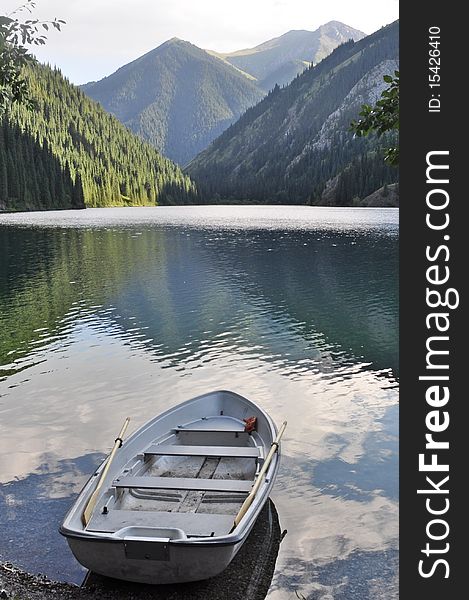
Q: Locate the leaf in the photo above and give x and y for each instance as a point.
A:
(383, 117)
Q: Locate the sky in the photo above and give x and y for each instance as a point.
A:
(102, 35)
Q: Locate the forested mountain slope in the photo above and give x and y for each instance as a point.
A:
(178, 97)
(70, 152)
(295, 145)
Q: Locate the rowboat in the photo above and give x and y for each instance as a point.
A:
(176, 500)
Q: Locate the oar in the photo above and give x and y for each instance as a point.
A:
(257, 484)
(95, 495)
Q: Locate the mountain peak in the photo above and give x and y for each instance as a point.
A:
(341, 29)
(177, 97)
(333, 23)
(280, 59)
(174, 41)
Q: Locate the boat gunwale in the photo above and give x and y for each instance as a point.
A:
(227, 540)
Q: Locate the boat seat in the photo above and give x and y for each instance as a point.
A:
(216, 451)
(190, 429)
(196, 524)
(184, 483)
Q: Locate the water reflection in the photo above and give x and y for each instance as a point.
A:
(32, 510)
(361, 575)
(99, 320)
(181, 294)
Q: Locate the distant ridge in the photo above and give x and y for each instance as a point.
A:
(280, 59)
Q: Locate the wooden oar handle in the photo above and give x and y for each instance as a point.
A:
(120, 437)
(94, 496)
(247, 503)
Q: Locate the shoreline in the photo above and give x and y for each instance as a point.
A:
(248, 577)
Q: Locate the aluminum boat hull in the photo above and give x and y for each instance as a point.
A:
(125, 540)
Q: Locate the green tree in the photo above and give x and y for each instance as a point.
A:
(382, 117)
(16, 36)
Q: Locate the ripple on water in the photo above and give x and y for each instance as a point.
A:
(105, 313)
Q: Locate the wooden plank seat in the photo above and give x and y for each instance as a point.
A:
(197, 524)
(184, 483)
(209, 429)
(215, 451)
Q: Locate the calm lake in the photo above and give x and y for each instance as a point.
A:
(106, 313)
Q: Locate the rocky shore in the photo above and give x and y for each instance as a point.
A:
(247, 578)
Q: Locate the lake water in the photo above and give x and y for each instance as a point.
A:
(110, 312)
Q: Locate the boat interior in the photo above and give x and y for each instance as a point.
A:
(190, 482)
